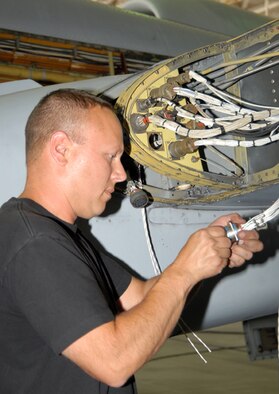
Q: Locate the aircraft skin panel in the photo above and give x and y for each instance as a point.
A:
(17, 86)
(235, 295)
(170, 226)
(88, 22)
(207, 14)
(227, 302)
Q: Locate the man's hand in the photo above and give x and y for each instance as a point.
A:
(205, 254)
(247, 245)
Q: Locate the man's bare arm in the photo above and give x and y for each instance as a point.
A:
(114, 351)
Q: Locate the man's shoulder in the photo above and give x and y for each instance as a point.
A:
(23, 221)
(25, 217)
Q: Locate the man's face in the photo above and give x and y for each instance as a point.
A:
(95, 165)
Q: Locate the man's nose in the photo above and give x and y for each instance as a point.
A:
(120, 173)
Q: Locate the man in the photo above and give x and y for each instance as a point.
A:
(73, 321)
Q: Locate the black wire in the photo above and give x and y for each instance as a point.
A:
(255, 134)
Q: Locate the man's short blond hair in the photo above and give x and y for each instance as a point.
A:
(64, 110)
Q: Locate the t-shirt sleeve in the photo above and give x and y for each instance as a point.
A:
(120, 276)
(58, 293)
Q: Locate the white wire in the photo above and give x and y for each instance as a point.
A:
(184, 131)
(227, 107)
(155, 264)
(196, 349)
(196, 95)
(235, 143)
(260, 220)
(225, 96)
(241, 119)
(204, 134)
(157, 270)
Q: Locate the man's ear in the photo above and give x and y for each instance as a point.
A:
(60, 145)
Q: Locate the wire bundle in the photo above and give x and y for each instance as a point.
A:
(259, 221)
(231, 118)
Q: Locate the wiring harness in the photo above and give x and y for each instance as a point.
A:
(231, 117)
(208, 121)
(257, 222)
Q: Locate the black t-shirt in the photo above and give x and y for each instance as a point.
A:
(54, 289)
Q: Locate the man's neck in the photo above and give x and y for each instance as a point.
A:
(51, 203)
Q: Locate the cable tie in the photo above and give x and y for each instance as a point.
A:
(260, 222)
